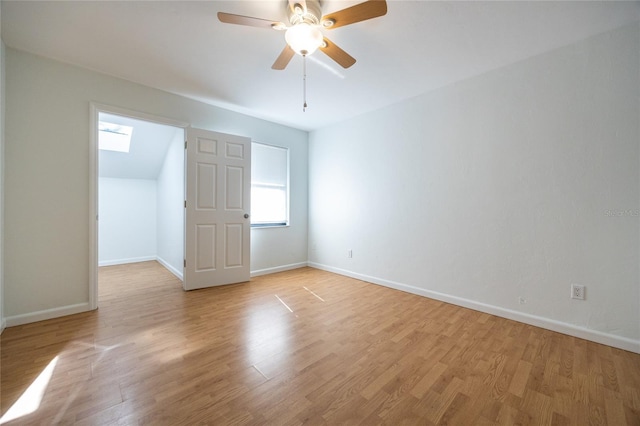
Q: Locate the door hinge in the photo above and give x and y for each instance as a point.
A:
(185, 144)
(185, 263)
(185, 204)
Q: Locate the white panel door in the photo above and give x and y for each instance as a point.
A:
(217, 234)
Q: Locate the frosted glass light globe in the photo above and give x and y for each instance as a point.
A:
(303, 38)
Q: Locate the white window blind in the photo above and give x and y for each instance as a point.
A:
(269, 185)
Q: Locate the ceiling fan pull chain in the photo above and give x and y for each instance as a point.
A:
(304, 83)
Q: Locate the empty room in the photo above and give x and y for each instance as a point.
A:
(361, 212)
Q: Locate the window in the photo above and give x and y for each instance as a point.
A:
(114, 137)
(269, 185)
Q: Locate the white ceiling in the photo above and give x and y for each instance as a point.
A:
(418, 46)
(148, 149)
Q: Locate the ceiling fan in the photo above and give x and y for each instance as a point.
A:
(303, 35)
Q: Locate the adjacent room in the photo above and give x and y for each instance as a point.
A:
(324, 212)
(141, 192)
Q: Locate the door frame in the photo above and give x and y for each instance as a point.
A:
(94, 111)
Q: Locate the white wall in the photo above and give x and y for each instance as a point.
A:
(170, 223)
(514, 184)
(128, 217)
(47, 181)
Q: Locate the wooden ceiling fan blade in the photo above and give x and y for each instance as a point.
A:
(360, 12)
(334, 52)
(284, 58)
(230, 18)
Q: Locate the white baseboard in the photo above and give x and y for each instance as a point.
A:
(171, 269)
(160, 260)
(46, 314)
(546, 323)
(3, 325)
(125, 261)
(282, 268)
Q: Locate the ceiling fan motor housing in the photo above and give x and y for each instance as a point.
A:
(308, 12)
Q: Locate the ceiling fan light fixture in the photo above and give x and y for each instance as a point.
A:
(303, 38)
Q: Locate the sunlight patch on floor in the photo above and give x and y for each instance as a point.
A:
(30, 400)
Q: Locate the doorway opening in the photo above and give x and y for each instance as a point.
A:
(139, 191)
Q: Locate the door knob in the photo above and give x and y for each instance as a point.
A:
(246, 215)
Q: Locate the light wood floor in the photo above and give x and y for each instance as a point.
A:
(348, 353)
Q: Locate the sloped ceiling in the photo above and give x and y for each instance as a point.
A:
(418, 46)
(149, 145)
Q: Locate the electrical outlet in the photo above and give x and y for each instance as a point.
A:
(577, 291)
(349, 253)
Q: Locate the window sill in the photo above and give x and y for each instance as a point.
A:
(270, 225)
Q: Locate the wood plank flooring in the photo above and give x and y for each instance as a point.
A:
(306, 347)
